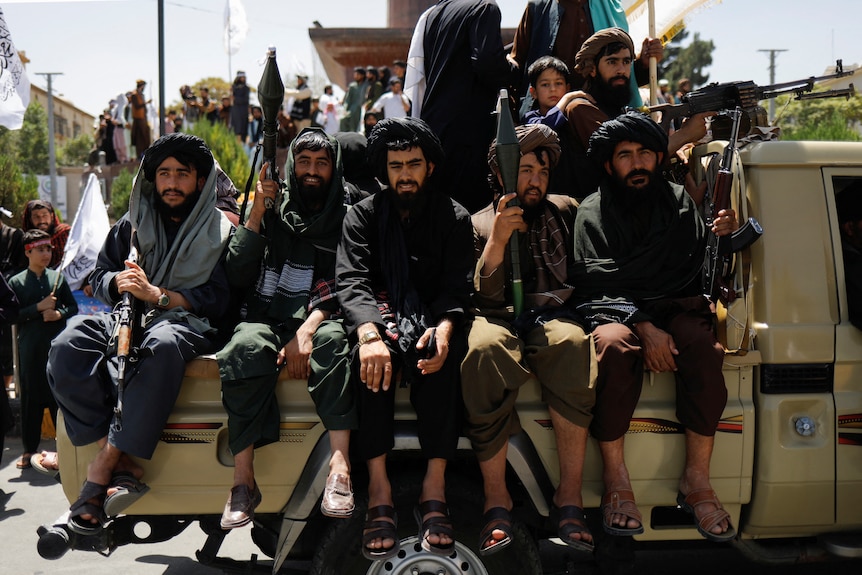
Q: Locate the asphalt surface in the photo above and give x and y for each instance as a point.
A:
(29, 499)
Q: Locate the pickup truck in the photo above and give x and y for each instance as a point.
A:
(787, 463)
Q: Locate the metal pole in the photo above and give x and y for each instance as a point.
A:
(161, 67)
(772, 53)
(52, 156)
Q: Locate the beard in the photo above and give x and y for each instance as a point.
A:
(611, 98)
(181, 211)
(636, 203)
(313, 196)
(410, 202)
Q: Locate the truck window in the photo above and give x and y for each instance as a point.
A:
(848, 201)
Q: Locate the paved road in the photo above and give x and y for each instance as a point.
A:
(29, 499)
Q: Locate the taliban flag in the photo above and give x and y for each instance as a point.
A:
(235, 26)
(88, 233)
(14, 84)
(671, 16)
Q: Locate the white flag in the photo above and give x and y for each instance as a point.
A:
(235, 26)
(671, 17)
(14, 84)
(88, 233)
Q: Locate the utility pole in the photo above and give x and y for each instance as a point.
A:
(772, 53)
(52, 156)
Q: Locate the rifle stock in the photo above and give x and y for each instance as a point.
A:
(125, 322)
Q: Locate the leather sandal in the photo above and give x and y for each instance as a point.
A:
(434, 526)
(496, 519)
(571, 520)
(708, 521)
(84, 505)
(620, 502)
(375, 529)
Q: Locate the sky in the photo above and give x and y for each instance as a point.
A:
(100, 47)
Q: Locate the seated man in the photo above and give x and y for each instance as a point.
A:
(403, 269)
(545, 342)
(639, 248)
(179, 286)
(283, 258)
(849, 204)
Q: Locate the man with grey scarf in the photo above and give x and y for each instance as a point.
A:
(403, 269)
(180, 287)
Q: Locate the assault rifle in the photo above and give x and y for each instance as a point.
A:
(746, 95)
(719, 250)
(125, 330)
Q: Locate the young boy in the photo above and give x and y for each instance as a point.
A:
(46, 302)
(550, 91)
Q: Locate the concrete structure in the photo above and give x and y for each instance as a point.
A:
(342, 49)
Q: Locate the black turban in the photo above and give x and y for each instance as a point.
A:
(186, 149)
(629, 127)
(401, 134)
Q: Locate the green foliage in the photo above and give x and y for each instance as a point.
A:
(686, 62)
(831, 129)
(226, 149)
(32, 141)
(121, 188)
(74, 151)
(15, 189)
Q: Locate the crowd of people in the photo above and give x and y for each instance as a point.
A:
(360, 287)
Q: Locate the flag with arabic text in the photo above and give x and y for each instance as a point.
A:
(88, 233)
(14, 84)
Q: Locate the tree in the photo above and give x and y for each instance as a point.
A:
(831, 119)
(32, 141)
(75, 151)
(121, 189)
(229, 153)
(686, 62)
(15, 189)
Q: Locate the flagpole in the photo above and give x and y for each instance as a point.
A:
(229, 72)
(653, 62)
(52, 157)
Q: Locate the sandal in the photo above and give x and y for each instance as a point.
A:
(705, 524)
(24, 462)
(375, 529)
(434, 526)
(84, 506)
(569, 528)
(128, 489)
(496, 519)
(620, 502)
(46, 462)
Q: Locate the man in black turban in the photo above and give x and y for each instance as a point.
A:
(402, 272)
(639, 247)
(544, 342)
(180, 290)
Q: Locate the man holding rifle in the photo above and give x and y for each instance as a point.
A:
(639, 249)
(545, 341)
(179, 286)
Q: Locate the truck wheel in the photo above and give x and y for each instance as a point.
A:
(339, 552)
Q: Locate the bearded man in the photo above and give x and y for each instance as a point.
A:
(605, 62)
(283, 260)
(639, 245)
(40, 215)
(181, 290)
(545, 342)
(403, 269)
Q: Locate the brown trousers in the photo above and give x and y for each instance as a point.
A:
(700, 391)
(559, 354)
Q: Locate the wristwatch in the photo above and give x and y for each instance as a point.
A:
(164, 299)
(368, 337)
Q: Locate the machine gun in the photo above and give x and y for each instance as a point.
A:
(746, 95)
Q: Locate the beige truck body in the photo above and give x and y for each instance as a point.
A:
(788, 452)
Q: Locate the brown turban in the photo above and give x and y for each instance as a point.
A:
(585, 60)
(530, 138)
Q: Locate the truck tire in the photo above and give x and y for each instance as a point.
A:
(339, 551)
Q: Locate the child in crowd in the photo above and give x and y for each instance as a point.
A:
(46, 301)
